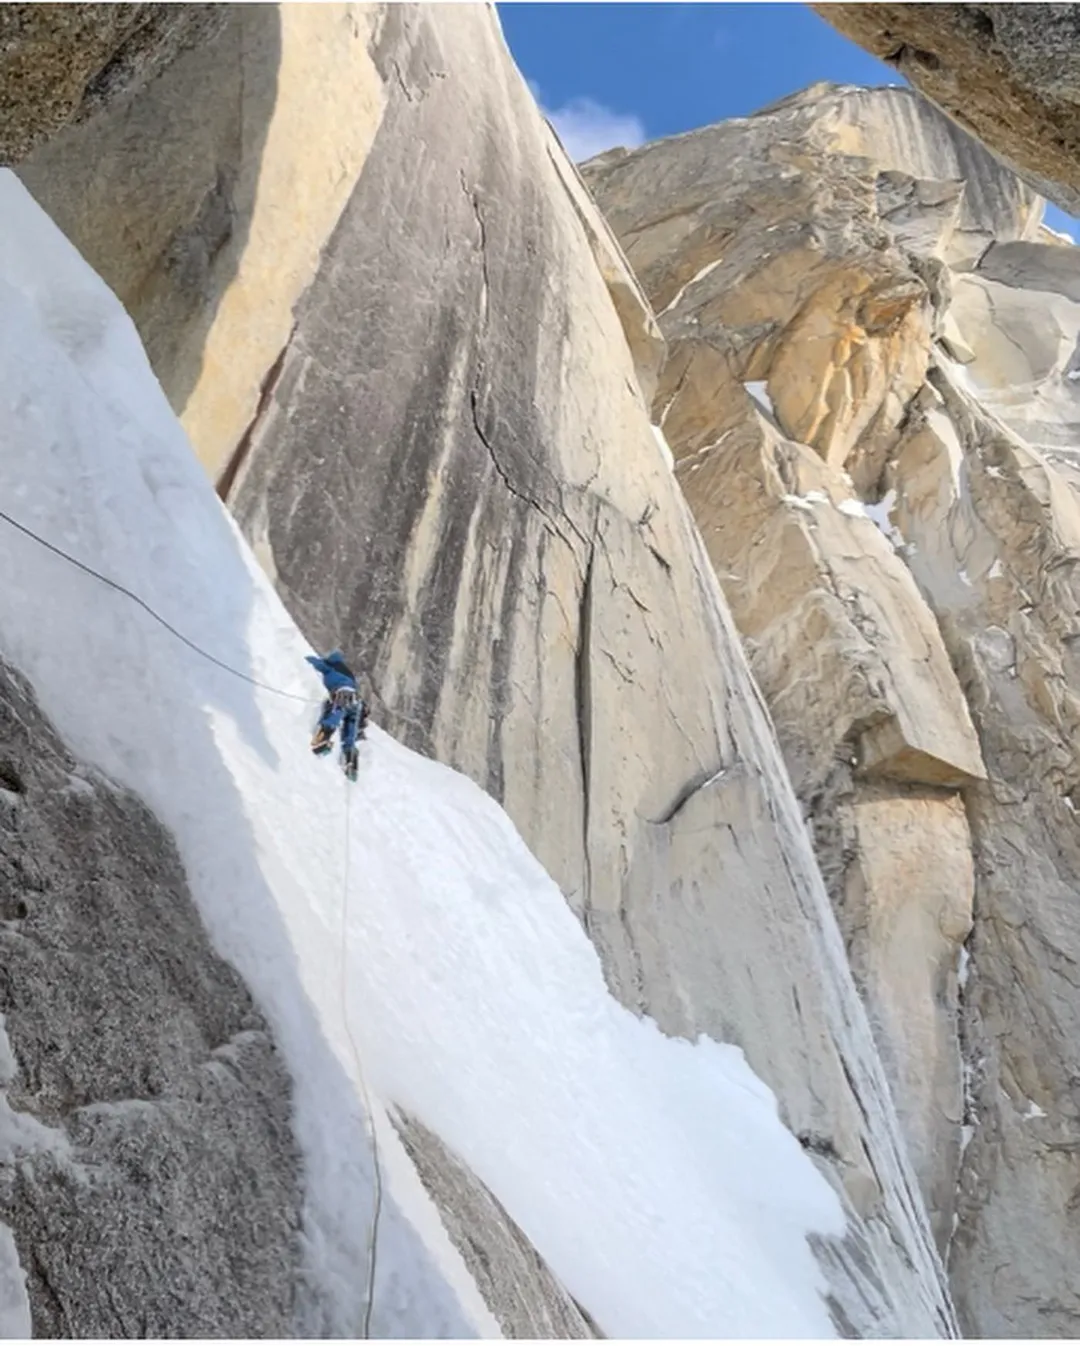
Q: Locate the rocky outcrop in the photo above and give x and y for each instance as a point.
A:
(1009, 74)
(62, 64)
(148, 1170)
(831, 296)
(898, 562)
(1015, 326)
(984, 481)
(526, 1299)
(790, 371)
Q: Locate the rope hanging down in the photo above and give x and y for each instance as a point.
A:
(292, 696)
(120, 589)
(377, 1194)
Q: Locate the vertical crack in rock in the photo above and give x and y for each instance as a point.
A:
(502, 661)
(241, 453)
(485, 291)
(527, 500)
(476, 390)
(409, 95)
(639, 986)
(583, 704)
(965, 1048)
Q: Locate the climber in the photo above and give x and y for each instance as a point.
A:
(343, 706)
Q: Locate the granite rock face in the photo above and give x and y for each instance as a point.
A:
(1008, 74)
(991, 534)
(148, 1172)
(170, 243)
(62, 64)
(900, 567)
(993, 546)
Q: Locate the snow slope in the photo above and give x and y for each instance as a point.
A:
(653, 1175)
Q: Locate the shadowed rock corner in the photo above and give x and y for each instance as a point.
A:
(62, 64)
(157, 191)
(136, 1067)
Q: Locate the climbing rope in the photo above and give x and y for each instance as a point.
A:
(377, 1194)
(120, 589)
(292, 696)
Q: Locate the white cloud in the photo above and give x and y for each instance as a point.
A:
(586, 127)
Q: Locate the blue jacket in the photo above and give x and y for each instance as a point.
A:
(335, 671)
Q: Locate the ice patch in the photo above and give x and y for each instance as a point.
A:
(807, 501)
(1033, 1110)
(963, 967)
(757, 391)
(880, 514)
(664, 447)
(21, 1134)
(15, 1322)
(942, 426)
(9, 1067)
(854, 509)
(700, 275)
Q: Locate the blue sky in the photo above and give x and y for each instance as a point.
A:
(619, 74)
